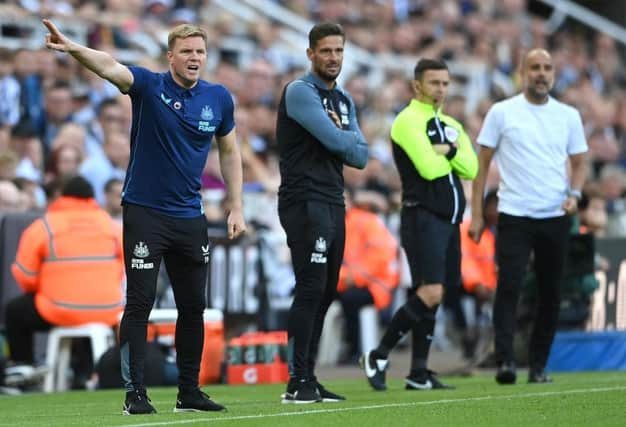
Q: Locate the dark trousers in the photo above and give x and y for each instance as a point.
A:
(316, 237)
(22, 321)
(352, 301)
(517, 237)
(182, 243)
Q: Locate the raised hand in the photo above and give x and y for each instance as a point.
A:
(55, 39)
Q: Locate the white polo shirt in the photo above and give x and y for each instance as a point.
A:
(532, 143)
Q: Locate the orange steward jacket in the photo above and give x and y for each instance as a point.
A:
(478, 264)
(370, 256)
(72, 260)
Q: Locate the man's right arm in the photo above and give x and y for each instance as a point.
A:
(101, 63)
(488, 139)
(303, 106)
(478, 190)
(30, 252)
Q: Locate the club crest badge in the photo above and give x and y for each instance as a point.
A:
(141, 250)
(320, 245)
(207, 113)
(451, 134)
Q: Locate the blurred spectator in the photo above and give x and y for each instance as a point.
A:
(53, 189)
(8, 164)
(58, 110)
(612, 185)
(64, 162)
(33, 196)
(31, 92)
(369, 273)
(110, 117)
(478, 268)
(70, 267)
(478, 272)
(84, 111)
(592, 213)
(11, 198)
(98, 169)
(113, 198)
(26, 144)
(9, 97)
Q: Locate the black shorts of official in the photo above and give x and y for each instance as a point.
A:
(182, 243)
(433, 247)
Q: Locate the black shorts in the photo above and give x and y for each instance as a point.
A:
(433, 247)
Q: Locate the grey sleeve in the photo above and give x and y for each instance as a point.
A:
(303, 105)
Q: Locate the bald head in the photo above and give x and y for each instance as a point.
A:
(535, 54)
(537, 75)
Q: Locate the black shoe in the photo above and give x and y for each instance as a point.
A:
(327, 395)
(425, 380)
(196, 401)
(506, 373)
(137, 402)
(374, 370)
(538, 376)
(301, 391)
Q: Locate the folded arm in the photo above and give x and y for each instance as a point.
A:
(303, 105)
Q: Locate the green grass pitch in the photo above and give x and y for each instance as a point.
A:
(574, 399)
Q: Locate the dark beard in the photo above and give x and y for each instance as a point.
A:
(538, 97)
(326, 76)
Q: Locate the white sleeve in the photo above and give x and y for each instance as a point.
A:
(489, 135)
(576, 140)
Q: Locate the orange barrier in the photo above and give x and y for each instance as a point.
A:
(163, 328)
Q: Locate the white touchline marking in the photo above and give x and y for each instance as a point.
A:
(381, 406)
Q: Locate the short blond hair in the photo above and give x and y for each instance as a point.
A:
(184, 31)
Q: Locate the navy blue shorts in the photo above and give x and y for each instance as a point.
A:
(433, 247)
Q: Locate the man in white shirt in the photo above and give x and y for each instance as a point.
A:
(532, 136)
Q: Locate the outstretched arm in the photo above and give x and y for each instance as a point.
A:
(97, 61)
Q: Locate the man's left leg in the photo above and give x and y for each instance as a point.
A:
(420, 376)
(550, 254)
(334, 259)
(186, 266)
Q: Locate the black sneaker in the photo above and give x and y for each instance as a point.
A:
(137, 402)
(374, 370)
(327, 395)
(506, 373)
(301, 391)
(196, 401)
(538, 376)
(425, 380)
